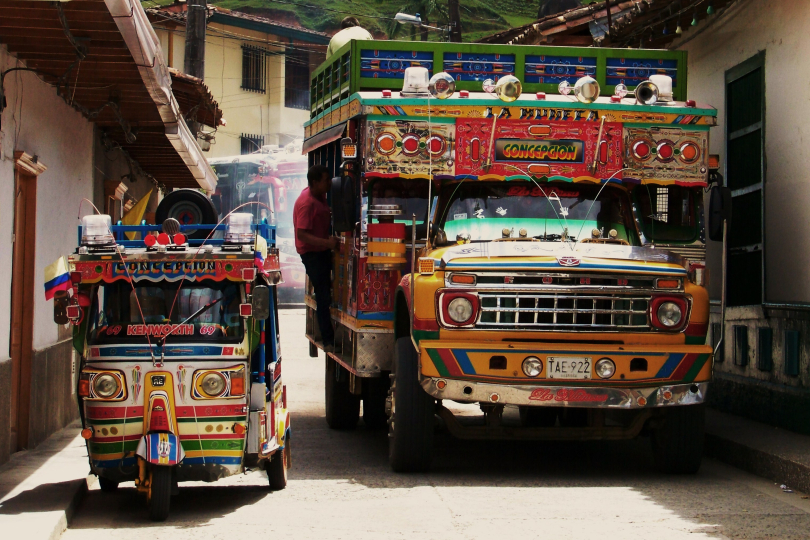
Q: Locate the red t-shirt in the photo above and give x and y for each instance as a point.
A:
(311, 214)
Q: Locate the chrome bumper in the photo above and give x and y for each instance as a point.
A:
(566, 396)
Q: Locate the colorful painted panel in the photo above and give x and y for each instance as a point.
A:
(375, 291)
(392, 64)
(528, 147)
(667, 155)
(409, 147)
(555, 69)
(164, 270)
(631, 71)
(478, 66)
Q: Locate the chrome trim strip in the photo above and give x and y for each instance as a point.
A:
(566, 396)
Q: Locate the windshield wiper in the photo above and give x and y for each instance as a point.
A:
(206, 307)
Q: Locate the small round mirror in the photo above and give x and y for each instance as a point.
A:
(564, 88)
(620, 90)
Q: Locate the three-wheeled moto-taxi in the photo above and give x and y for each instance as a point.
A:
(180, 360)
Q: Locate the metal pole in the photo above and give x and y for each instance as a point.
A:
(455, 21)
(413, 277)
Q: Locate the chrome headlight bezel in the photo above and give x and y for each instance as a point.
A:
(105, 385)
(669, 314)
(460, 309)
(604, 368)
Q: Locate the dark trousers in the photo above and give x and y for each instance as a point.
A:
(319, 268)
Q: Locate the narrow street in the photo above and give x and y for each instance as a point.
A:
(341, 487)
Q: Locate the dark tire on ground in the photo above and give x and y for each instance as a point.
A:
(410, 438)
(107, 485)
(313, 350)
(160, 492)
(375, 392)
(537, 416)
(677, 442)
(342, 407)
(277, 468)
(189, 207)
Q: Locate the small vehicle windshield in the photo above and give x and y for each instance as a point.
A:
(482, 210)
(115, 317)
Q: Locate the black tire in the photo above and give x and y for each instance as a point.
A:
(537, 416)
(313, 350)
(677, 442)
(410, 437)
(107, 485)
(342, 407)
(189, 207)
(160, 492)
(277, 468)
(375, 393)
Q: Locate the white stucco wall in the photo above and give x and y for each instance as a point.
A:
(40, 123)
(245, 112)
(780, 28)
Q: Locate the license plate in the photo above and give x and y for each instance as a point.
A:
(569, 367)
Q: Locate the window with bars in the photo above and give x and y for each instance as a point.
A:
(745, 175)
(254, 69)
(296, 78)
(669, 213)
(251, 143)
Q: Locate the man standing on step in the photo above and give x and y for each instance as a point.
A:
(311, 220)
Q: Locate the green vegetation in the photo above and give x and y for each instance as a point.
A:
(478, 17)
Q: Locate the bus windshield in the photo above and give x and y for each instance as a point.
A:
(114, 316)
(549, 212)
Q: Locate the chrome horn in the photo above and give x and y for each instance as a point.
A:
(586, 89)
(646, 93)
(508, 88)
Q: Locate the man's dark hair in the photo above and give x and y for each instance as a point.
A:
(315, 174)
(348, 22)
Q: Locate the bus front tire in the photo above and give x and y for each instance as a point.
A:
(410, 439)
(375, 392)
(160, 492)
(277, 468)
(677, 442)
(342, 407)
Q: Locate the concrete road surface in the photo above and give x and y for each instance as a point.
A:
(341, 487)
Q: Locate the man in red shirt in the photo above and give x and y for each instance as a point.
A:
(312, 219)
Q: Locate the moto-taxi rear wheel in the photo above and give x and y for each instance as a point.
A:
(160, 492)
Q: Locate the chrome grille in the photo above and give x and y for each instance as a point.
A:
(598, 312)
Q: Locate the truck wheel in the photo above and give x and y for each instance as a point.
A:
(313, 350)
(342, 407)
(537, 416)
(107, 485)
(410, 437)
(277, 469)
(375, 392)
(160, 492)
(677, 443)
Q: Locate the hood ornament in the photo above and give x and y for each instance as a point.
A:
(568, 261)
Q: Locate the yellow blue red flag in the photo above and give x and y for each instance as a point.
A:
(57, 277)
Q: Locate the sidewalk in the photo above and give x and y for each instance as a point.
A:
(773, 453)
(41, 488)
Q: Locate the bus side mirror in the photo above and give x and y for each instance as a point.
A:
(719, 211)
(60, 304)
(260, 298)
(344, 204)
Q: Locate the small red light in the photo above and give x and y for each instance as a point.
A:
(76, 277)
(540, 95)
(585, 281)
(237, 386)
(87, 432)
(386, 93)
(84, 388)
(163, 239)
(621, 282)
(410, 144)
(464, 93)
(441, 385)
(74, 312)
(179, 239)
(547, 280)
(642, 401)
(691, 103)
(665, 151)
(150, 240)
(641, 149)
(239, 429)
(245, 310)
(436, 145)
(615, 99)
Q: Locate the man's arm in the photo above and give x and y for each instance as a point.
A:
(305, 236)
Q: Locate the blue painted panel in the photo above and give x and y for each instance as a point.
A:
(392, 64)
(478, 66)
(631, 71)
(555, 69)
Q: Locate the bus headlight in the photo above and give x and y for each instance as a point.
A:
(460, 310)
(669, 314)
(213, 384)
(105, 385)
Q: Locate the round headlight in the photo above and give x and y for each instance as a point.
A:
(669, 314)
(460, 310)
(605, 368)
(105, 385)
(532, 366)
(213, 384)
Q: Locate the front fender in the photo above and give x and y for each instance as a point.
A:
(160, 449)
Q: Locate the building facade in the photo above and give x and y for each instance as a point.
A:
(257, 69)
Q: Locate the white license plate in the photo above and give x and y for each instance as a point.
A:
(568, 367)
